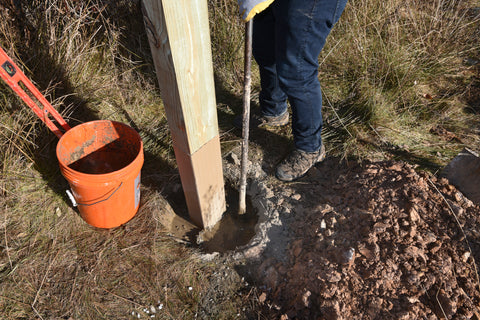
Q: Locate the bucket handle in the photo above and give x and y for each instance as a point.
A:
(75, 203)
(14, 77)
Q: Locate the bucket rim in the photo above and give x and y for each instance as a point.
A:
(101, 177)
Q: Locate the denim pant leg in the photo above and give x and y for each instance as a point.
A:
(273, 101)
(301, 29)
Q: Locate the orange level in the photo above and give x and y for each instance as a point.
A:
(15, 78)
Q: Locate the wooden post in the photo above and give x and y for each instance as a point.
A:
(179, 38)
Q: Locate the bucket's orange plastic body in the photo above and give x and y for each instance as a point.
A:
(101, 161)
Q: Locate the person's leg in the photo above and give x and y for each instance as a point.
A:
(302, 27)
(273, 101)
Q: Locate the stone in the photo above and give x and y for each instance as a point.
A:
(233, 159)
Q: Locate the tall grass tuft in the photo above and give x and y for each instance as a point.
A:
(393, 70)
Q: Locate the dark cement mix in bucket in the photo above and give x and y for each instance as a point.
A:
(109, 158)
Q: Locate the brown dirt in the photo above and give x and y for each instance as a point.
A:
(370, 240)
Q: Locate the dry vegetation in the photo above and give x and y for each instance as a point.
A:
(396, 70)
(400, 78)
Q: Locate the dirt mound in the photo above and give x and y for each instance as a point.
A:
(372, 241)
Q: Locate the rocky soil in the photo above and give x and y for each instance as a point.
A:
(370, 240)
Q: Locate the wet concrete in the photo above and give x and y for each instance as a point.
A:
(233, 230)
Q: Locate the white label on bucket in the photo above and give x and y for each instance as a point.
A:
(137, 190)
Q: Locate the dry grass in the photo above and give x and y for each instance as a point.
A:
(393, 70)
(92, 61)
(56, 266)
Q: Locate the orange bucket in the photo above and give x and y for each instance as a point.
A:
(101, 161)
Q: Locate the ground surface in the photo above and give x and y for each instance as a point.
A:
(370, 240)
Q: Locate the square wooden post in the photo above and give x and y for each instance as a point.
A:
(179, 38)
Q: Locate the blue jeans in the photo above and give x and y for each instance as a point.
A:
(287, 38)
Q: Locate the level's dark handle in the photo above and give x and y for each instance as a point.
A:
(13, 76)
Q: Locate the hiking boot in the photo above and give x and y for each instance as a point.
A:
(297, 164)
(257, 120)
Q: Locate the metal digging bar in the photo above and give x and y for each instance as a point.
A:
(247, 81)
